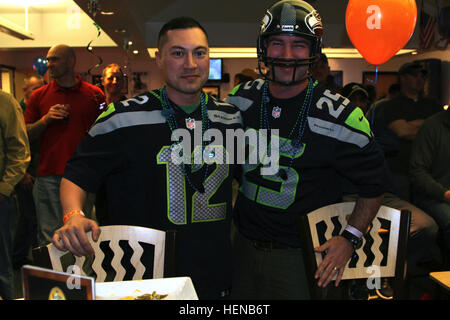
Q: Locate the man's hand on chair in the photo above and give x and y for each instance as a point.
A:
(72, 235)
(338, 252)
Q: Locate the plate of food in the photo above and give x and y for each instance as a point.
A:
(179, 288)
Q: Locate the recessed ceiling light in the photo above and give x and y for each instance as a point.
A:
(107, 13)
(135, 51)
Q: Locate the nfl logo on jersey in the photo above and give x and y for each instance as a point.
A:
(276, 112)
(190, 123)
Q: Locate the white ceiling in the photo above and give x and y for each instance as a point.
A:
(229, 23)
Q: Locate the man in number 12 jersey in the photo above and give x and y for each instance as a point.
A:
(130, 148)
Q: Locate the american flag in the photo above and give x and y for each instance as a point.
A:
(427, 26)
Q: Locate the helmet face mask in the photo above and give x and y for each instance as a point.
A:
(291, 18)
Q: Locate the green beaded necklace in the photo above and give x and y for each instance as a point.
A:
(300, 121)
(169, 112)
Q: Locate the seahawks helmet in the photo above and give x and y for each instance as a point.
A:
(289, 17)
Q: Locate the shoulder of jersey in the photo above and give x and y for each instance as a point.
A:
(147, 101)
(330, 105)
(139, 110)
(216, 104)
(223, 112)
(333, 115)
(246, 94)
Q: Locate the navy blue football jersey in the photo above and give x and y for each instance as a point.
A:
(129, 149)
(336, 141)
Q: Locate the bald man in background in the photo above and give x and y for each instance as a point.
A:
(59, 114)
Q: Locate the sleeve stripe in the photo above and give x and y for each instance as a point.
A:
(224, 117)
(337, 131)
(127, 119)
(242, 103)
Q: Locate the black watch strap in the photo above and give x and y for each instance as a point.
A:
(354, 240)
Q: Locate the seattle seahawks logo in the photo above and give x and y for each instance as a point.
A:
(266, 21)
(313, 21)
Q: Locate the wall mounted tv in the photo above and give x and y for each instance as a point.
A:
(215, 69)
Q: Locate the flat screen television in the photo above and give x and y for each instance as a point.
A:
(215, 69)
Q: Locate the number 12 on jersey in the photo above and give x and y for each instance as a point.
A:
(202, 210)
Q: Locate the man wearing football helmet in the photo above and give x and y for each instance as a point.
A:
(285, 20)
(321, 136)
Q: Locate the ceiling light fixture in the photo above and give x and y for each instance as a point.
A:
(229, 52)
(31, 3)
(107, 13)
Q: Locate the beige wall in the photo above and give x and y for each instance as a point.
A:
(352, 68)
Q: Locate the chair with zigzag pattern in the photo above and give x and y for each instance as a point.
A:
(382, 254)
(121, 253)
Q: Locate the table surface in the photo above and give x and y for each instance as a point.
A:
(443, 278)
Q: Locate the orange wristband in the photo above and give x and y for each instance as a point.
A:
(71, 213)
(43, 120)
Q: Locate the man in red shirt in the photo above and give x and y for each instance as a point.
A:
(59, 113)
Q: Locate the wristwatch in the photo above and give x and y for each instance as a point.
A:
(354, 240)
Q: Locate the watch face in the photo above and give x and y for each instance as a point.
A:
(358, 243)
(354, 240)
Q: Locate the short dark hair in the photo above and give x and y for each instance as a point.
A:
(243, 78)
(178, 23)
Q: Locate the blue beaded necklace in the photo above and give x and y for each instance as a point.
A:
(169, 112)
(300, 121)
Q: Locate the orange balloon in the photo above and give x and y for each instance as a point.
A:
(379, 28)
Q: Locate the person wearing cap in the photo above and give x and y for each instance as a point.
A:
(404, 115)
(358, 94)
(423, 252)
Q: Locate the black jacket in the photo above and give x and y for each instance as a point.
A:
(430, 158)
